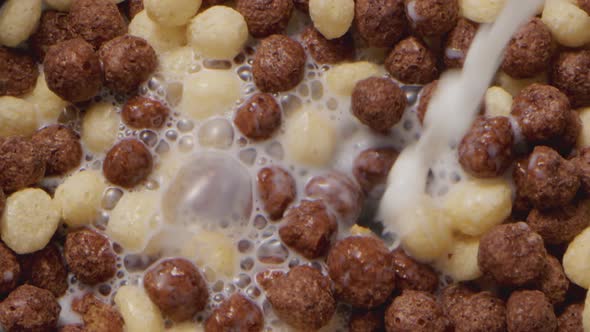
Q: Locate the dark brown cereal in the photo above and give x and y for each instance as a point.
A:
(302, 298)
(512, 254)
(60, 147)
(89, 256)
(30, 309)
(371, 167)
(412, 275)
(302, 5)
(432, 17)
(479, 312)
(452, 295)
(412, 62)
(127, 61)
(521, 203)
(378, 103)
(366, 321)
(458, 42)
(381, 23)
(582, 163)
(415, 311)
(530, 310)
(339, 192)
(259, 117)
(97, 21)
(142, 112)
(18, 72)
(54, 27)
(561, 224)
(425, 96)
(236, 314)
(21, 163)
(209, 3)
(266, 278)
(486, 150)
(570, 73)
(308, 229)
(46, 269)
(177, 288)
(10, 269)
(363, 271)
(72, 70)
(97, 315)
(325, 50)
(277, 190)
(567, 141)
(553, 281)
(529, 51)
(72, 328)
(128, 163)
(134, 7)
(279, 64)
(2, 201)
(265, 17)
(571, 319)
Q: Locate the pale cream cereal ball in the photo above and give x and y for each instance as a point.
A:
(64, 5)
(48, 105)
(498, 102)
(139, 312)
(332, 18)
(161, 38)
(212, 251)
(220, 32)
(100, 126)
(584, 138)
(481, 11)
(568, 24)
(29, 221)
(208, 93)
(310, 138)
(17, 117)
(18, 21)
(342, 78)
(460, 262)
(576, 260)
(177, 63)
(171, 13)
(514, 86)
(79, 197)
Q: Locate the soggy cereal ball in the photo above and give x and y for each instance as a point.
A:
(18, 20)
(279, 64)
(530, 310)
(308, 228)
(72, 70)
(366, 321)
(479, 312)
(138, 311)
(553, 281)
(550, 181)
(342, 78)
(380, 23)
(425, 96)
(302, 298)
(371, 168)
(259, 117)
(325, 50)
(60, 147)
(412, 275)
(570, 73)
(415, 311)
(21, 163)
(310, 138)
(378, 103)
(561, 224)
(127, 61)
(18, 72)
(264, 17)
(161, 38)
(143, 112)
(89, 256)
(10, 269)
(277, 189)
(363, 271)
(458, 42)
(96, 21)
(412, 62)
(570, 319)
(236, 313)
(46, 269)
(339, 192)
(29, 308)
(128, 163)
(512, 254)
(54, 28)
(332, 18)
(97, 315)
(432, 17)
(100, 127)
(177, 288)
(486, 150)
(529, 51)
(171, 13)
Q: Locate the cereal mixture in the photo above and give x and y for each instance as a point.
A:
(188, 165)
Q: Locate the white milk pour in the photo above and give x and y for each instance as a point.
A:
(450, 113)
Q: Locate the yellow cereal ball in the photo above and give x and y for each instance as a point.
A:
(177, 63)
(220, 32)
(460, 262)
(100, 127)
(568, 24)
(139, 312)
(514, 86)
(576, 260)
(161, 38)
(30, 219)
(481, 11)
(209, 93)
(79, 197)
(310, 138)
(584, 138)
(48, 105)
(342, 78)
(498, 102)
(212, 251)
(332, 18)
(18, 21)
(171, 13)
(17, 117)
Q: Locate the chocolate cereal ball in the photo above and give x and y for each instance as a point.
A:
(530, 311)
(279, 64)
(411, 275)
(432, 17)
(366, 321)
(570, 73)
(325, 50)
(381, 23)
(127, 61)
(72, 328)
(54, 27)
(89, 256)
(571, 319)
(521, 203)
(339, 192)
(561, 224)
(18, 72)
(9, 268)
(553, 281)
(277, 190)
(458, 42)
(452, 295)
(378, 103)
(29, 308)
(72, 70)
(425, 96)
(21, 163)
(236, 314)
(265, 17)
(60, 147)
(479, 312)
(177, 288)
(415, 311)
(582, 163)
(512, 254)
(363, 271)
(142, 112)
(302, 298)
(127, 163)
(308, 228)
(134, 7)
(412, 62)
(371, 167)
(97, 315)
(486, 150)
(529, 51)
(259, 117)
(567, 141)
(46, 269)
(97, 21)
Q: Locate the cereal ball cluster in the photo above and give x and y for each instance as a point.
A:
(378, 103)
(89, 256)
(412, 62)
(18, 72)
(277, 190)
(279, 64)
